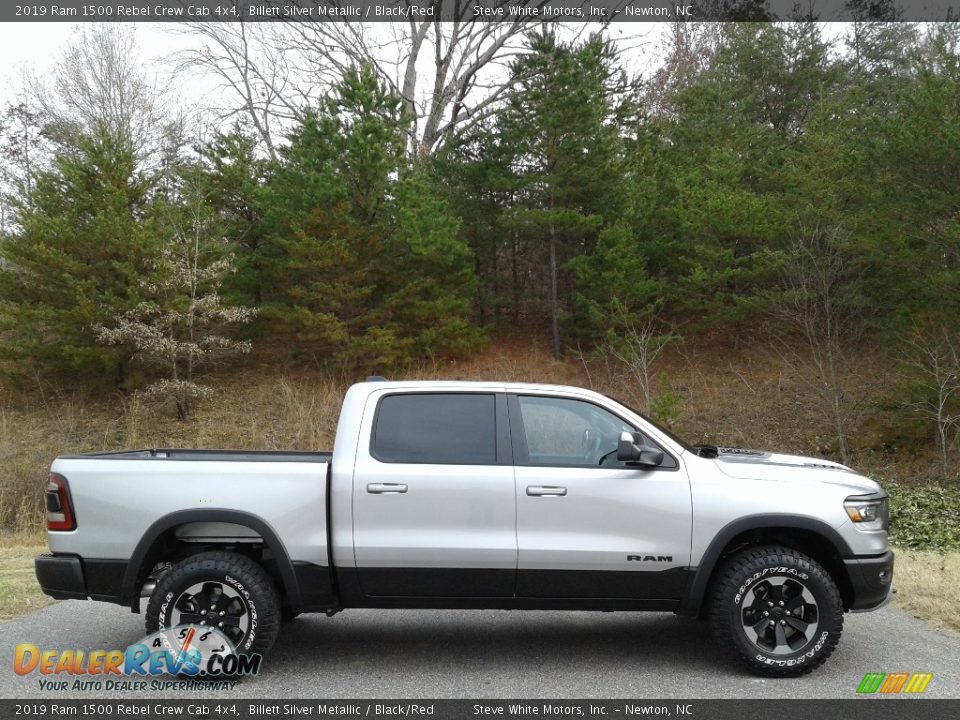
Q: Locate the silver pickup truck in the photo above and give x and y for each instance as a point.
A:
(477, 495)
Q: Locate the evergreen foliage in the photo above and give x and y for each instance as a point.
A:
(84, 239)
(366, 268)
(589, 204)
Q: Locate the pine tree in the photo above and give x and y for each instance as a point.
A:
(474, 177)
(562, 124)
(234, 176)
(83, 241)
(367, 269)
(740, 128)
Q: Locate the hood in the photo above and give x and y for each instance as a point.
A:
(763, 465)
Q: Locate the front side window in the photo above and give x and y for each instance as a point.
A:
(436, 428)
(561, 431)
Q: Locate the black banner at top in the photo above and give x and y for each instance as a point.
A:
(512, 11)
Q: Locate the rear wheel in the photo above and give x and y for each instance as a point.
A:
(776, 610)
(223, 590)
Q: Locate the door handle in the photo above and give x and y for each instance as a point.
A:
(386, 488)
(545, 491)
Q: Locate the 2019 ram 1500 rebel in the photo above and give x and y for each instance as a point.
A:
(477, 495)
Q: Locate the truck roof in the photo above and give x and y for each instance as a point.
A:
(479, 385)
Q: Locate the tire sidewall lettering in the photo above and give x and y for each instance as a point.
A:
(792, 662)
(763, 574)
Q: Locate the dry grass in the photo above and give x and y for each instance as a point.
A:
(928, 587)
(19, 592)
(748, 398)
(250, 410)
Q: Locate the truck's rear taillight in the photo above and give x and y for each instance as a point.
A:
(59, 510)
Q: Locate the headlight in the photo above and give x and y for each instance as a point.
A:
(868, 512)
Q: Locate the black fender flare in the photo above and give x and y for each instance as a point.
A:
(701, 575)
(130, 593)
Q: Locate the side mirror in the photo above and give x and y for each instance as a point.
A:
(633, 450)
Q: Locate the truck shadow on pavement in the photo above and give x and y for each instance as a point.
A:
(436, 638)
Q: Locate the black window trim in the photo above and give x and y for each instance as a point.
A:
(519, 436)
(501, 419)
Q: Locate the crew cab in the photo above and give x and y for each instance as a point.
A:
(477, 495)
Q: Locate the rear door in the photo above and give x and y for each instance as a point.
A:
(434, 501)
(589, 526)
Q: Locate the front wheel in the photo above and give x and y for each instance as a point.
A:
(222, 590)
(776, 610)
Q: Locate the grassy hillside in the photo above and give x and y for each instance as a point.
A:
(707, 393)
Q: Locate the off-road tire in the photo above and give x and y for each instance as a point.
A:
(738, 599)
(243, 576)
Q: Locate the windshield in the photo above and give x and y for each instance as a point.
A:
(679, 441)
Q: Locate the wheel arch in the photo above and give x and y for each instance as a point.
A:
(808, 535)
(149, 549)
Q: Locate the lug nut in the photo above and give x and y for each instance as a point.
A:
(222, 613)
(786, 612)
(783, 622)
(770, 604)
(203, 622)
(772, 623)
(220, 624)
(781, 603)
(765, 613)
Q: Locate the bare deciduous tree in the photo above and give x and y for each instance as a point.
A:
(820, 301)
(687, 49)
(449, 74)
(249, 62)
(101, 88)
(638, 346)
(932, 367)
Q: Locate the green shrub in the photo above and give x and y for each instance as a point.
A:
(924, 516)
(666, 406)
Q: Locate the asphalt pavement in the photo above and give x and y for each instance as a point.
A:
(500, 654)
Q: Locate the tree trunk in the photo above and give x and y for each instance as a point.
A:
(481, 289)
(515, 272)
(841, 430)
(554, 320)
(942, 442)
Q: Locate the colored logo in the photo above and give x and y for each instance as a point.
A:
(186, 651)
(894, 683)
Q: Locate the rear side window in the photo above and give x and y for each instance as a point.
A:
(436, 428)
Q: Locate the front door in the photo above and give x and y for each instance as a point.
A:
(434, 511)
(589, 526)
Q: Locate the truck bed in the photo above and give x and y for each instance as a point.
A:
(127, 499)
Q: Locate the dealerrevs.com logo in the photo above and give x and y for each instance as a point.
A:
(894, 683)
(196, 655)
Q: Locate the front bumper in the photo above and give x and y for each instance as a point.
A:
(871, 580)
(68, 577)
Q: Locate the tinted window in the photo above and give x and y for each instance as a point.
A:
(458, 429)
(560, 431)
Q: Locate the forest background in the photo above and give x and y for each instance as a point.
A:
(755, 240)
